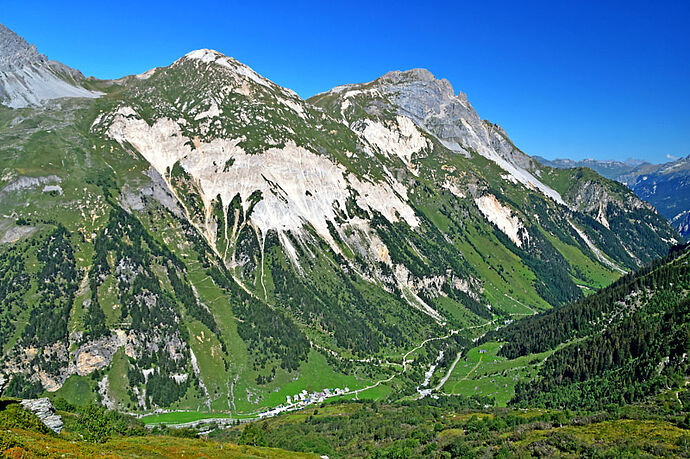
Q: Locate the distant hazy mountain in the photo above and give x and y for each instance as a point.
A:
(608, 168)
(665, 186)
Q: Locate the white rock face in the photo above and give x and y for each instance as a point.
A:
(97, 354)
(104, 391)
(32, 85)
(297, 186)
(596, 250)
(212, 112)
(452, 186)
(297, 108)
(501, 216)
(402, 139)
(433, 106)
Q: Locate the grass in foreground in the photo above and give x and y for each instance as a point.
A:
(91, 430)
(32, 444)
(450, 428)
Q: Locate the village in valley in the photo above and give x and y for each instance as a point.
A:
(303, 399)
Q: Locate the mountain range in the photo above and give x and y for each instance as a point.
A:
(665, 186)
(199, 238)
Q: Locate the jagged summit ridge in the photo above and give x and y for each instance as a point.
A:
(433, 106)
(420, 74)
(28, 77)
(424, 76)
(14, 50)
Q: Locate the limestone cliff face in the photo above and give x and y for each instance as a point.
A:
(434, 107)
(596, 199)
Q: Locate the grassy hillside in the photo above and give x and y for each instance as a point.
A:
(624, 343)
(31, 444)
(481, 371)
(450, 427)
(91, 431)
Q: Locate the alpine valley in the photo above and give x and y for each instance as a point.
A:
(197, 241)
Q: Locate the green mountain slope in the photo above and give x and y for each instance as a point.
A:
(623, 344)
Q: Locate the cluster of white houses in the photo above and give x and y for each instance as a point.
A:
(302, 399)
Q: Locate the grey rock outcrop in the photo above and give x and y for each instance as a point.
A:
(43, 408)
(28, 77)
(682, 223)
(433, 105)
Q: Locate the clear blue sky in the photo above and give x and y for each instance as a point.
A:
(573, 79)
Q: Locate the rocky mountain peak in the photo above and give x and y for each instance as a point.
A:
(210, 56)
(204, 54)
(421, 78)
(397, 76)
(432, 104)
(27, 77)
(15, 51)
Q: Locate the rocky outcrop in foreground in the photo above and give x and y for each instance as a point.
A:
(43, 408)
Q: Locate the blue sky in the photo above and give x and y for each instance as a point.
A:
(572, 79)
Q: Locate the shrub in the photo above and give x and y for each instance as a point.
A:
(20, 387)
(252, 435)
(93, 424)
(124, 424)
(14, 416)
(8, 441)
(63, 405)
(184, 432)
(459, 447)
